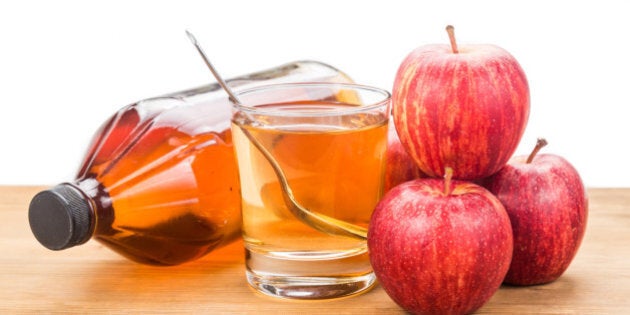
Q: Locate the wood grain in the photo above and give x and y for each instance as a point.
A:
(92, 279)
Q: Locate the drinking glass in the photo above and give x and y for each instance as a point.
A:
(329, 140)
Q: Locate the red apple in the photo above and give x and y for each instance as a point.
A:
(464, 107)
(548, 207)
(400, 167)
(440, 246)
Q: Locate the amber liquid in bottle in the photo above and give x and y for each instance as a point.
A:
(167, 193)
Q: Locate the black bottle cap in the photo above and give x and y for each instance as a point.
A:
(60, 217)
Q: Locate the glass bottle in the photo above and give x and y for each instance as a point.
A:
(159, 183)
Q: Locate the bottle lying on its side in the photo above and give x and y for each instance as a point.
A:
(159, 183)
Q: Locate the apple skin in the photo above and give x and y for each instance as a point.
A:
(400, 167)
(439, 254)
(548, 209)
(466, 110)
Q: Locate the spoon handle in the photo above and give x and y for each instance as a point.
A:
(318, 221)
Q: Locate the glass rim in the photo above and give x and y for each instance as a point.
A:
(385, 97)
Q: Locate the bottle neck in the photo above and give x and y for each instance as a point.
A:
(99, 202)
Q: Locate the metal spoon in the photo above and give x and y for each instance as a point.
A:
(318, 221)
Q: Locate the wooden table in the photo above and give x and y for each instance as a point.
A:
(92, 279)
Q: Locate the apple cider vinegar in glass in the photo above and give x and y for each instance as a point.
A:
(331, 149)
(333, 170)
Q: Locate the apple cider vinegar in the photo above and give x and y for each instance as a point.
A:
(335, 166)
(332, 170)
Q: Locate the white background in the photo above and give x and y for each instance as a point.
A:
(66, 66)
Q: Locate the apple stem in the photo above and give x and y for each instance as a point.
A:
(448, 176)
(451, 35)
(539, 145)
